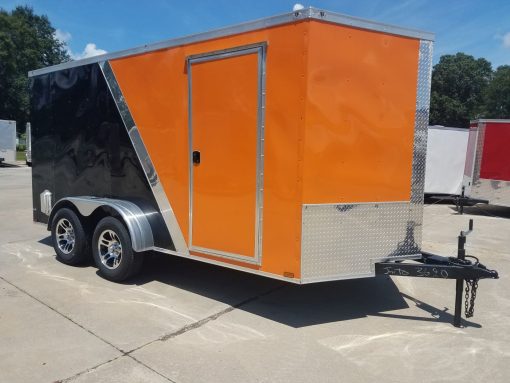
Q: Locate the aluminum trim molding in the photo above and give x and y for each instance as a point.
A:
(229, 52)
(260, 50)
(144, 157)
(286, 18)
(420, 138)
(353, 203)
(225, 254)
(357, 22)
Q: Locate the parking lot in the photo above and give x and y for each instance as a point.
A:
(184, 321)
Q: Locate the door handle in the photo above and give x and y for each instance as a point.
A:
(196, 157)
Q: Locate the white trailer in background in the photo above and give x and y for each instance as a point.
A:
(446, 159)
(28, 153)
(7, 141)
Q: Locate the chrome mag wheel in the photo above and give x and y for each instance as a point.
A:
(65, 236)
(110, 249)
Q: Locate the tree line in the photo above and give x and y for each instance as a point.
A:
(463, 87)
(27, 42)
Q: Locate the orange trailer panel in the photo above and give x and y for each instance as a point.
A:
(292, 147)
(360, 116)
(155, 87)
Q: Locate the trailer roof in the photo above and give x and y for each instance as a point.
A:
(286, 18)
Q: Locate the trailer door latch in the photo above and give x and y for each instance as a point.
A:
(196, 157)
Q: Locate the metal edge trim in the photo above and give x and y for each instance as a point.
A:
(422, 111)
(286, 18)
(491, 120)
(190, 153)
(261, 124)
(144, 158)
(260, 50)
(358, 22)
(333, 278)
(341, 277)
(354, 203)
(225, 254)
(229, 266)
(228, 52)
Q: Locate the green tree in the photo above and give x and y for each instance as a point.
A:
(27, 42)
(497, 95)
(458, 85)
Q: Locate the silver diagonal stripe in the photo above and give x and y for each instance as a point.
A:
(144, 157)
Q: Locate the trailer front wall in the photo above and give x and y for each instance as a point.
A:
(360, 115)
(155, 86)
(364, 150)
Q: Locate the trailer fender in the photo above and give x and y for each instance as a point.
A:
(135, 219)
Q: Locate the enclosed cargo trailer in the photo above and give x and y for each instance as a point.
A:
(487, 171)
(7, 141)
(291, 147)
(446, 160)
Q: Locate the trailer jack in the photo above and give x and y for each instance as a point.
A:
(437, 266)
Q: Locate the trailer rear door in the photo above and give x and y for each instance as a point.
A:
(225, 153)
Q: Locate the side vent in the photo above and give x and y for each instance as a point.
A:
(46, 202)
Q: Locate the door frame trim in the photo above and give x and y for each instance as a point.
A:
(259, 49)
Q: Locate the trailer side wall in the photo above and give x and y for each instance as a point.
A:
(155, 86)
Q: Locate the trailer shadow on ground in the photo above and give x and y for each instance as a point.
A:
(11, 165)
(293, 305)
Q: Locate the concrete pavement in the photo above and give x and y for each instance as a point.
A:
(184, 321)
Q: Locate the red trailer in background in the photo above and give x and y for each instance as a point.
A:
(487, 171)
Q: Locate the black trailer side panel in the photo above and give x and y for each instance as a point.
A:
(80, 146)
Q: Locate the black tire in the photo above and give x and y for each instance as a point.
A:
(64, 226)
(112, 268)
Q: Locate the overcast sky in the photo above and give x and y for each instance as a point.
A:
(477, 27)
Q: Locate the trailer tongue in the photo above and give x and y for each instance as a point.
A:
(437, 266)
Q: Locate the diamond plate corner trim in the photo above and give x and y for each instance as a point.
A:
(341, 241)
(143, 155)
(420, 136)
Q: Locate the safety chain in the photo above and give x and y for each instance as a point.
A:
(469, 303)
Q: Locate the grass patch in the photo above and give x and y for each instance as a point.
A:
(20, 156)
